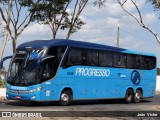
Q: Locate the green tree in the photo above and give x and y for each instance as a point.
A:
(20, 17)
(55, 14)
(99, 3)
(158, 71)
(7, 21)
(156, 3)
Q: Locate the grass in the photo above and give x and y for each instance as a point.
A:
(2, 84)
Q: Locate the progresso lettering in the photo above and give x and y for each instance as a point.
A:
(92, 72)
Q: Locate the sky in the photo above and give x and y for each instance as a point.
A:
(101, 27)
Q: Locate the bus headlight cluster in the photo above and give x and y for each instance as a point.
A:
(33, 97)
(36, 89)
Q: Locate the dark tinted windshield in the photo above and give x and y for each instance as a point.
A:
(23, 70)
(34, 66)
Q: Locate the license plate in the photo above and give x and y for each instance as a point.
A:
(18, 97)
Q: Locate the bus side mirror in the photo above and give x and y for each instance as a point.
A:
(4, 59)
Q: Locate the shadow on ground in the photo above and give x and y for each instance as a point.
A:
(74, 103)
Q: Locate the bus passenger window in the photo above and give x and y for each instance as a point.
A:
(74, 57)
(131, 61)
(142, 62)
(84, 57)
(57, 52)
(92, 57)
(116, 59)
(48, 71)
(123, 61)
(60, 52)
(151, 62)
(106, 59)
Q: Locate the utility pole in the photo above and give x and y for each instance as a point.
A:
(118, 36)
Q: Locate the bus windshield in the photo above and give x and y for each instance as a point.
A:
(23, 69)
(32, 67)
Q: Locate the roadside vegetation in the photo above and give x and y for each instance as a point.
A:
(2, 84)
(158, 71)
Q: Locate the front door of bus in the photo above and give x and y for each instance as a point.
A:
(46, 76)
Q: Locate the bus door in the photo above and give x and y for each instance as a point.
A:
(48, 72)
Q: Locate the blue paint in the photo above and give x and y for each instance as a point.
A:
(87, 82)
(135, 77)
(34, 55)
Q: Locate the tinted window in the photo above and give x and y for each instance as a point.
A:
(105, 59)
(123, 60)
(79, 56)
(74, 57)
(141, 62)
(116, 59)
(92, 57)
(131, 61)
(151, 62)
(48, 69)
(57, 52)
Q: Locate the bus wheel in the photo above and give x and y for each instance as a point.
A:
(137, 96)
(65, 98)
(129, 96)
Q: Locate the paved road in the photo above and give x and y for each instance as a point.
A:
(149, 104)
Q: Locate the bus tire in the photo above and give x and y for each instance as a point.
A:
(137, 96)
(129, 96)
(65, 98)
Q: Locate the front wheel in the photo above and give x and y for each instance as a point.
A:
(65, 98)
(129, 96)
(137, 96)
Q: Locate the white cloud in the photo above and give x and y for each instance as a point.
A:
(149, 18)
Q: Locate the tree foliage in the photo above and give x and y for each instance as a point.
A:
(158, 71)
(99, 3)
(75, 23)
(7, 20)
(156, 3)
(20, 17)
(55, 14)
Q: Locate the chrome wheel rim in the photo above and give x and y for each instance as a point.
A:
(65, 97)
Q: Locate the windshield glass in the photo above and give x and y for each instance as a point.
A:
(32, 67)
(23, 70)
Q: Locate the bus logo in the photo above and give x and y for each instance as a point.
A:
(135, 77)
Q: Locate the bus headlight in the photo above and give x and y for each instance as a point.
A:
(33, 97)
(36, 89)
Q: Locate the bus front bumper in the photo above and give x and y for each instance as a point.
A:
(23, 95)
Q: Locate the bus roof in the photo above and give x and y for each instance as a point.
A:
(37, 44)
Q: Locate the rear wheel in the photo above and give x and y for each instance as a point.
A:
(65, 98)
(137, 96)
(129, 96)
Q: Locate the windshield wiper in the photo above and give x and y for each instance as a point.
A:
(15, 77)
(24, 79)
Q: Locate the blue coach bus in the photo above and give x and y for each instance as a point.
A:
(67, 70)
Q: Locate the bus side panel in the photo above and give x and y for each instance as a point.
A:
(149, 89)
(85, 86)
(91, 87)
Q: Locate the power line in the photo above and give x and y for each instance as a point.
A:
(135, 35)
